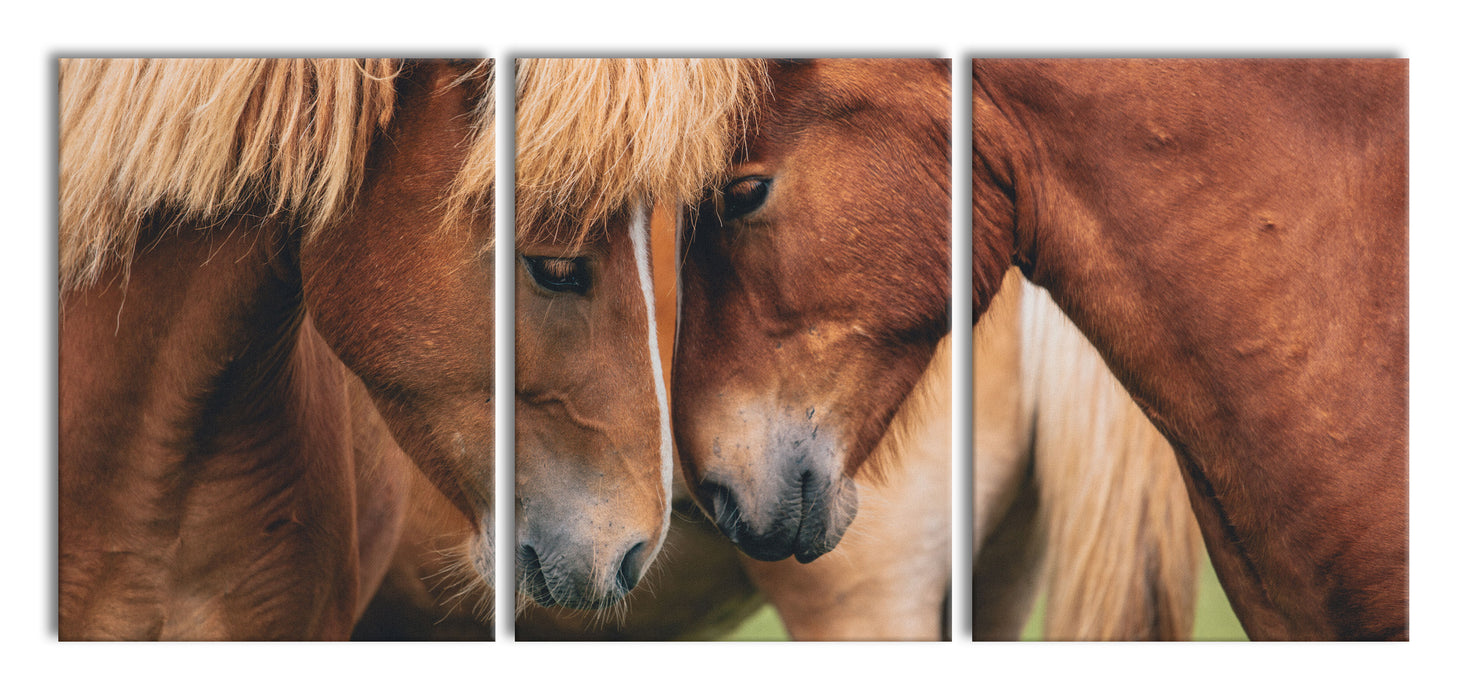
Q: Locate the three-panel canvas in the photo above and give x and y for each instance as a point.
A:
(713, 319)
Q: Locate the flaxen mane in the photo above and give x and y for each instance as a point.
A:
(198, 139)
(1122, 543)
(594, 136)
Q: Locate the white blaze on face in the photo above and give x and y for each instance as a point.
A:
(678, 275)
(642, 249)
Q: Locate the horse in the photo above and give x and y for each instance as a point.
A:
(272, 276)
(1231, 235)
(242, 392)
(694, 589)
(597, 143)
(812, 362)
(873, 589)
(1047, 199)
(863, 593)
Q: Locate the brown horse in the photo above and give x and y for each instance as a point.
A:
(1231, 235)
(695, 589)
(820, 275)
(597, 142)
(619, 96)
(889, 581)
(794, 349)
(273, 276)
(790, 361)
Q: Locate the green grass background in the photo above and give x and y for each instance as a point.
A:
(1213, 620)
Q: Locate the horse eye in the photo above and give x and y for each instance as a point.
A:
(745, 195)
(559, 274)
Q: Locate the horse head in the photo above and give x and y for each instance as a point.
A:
(815, 290)
(594, 453)
(402, 286)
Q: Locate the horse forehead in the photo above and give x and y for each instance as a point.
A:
(614, 235)
(836, 87)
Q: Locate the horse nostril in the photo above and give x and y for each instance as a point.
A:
(810, 494)
(531, 577)
(721, 501)
(526, 558)
(632, 564)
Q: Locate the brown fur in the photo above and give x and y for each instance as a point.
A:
(776, 296)
(594, 136)
(597, 142)
(231, 360)
(846, 92)
(889, 577)
(189, 509)
(767, 317)
(1232, 237)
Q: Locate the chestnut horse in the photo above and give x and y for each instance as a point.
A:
(811, 364)
(1231, 235)
(695, 589)
(597, 142)
(784, 359)
(866, 592)
(273, 285)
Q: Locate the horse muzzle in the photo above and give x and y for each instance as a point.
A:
(805, 515)
(555, 569)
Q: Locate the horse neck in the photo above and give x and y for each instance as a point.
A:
(203, 435)
(1254, 308)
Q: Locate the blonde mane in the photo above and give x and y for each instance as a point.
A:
(1121, 541)
(594, 136)
(200, 139)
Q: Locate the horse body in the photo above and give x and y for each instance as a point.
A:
(205, 511)
(1231, 236)
(238, 367)
(402, 302)
(430, 590)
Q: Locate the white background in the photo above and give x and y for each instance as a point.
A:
(1426, 32)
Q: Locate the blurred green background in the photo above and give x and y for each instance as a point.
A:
(1213, 620)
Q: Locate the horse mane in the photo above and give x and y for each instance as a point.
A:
(202, 138)
(594, 136)
(1122, 544)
